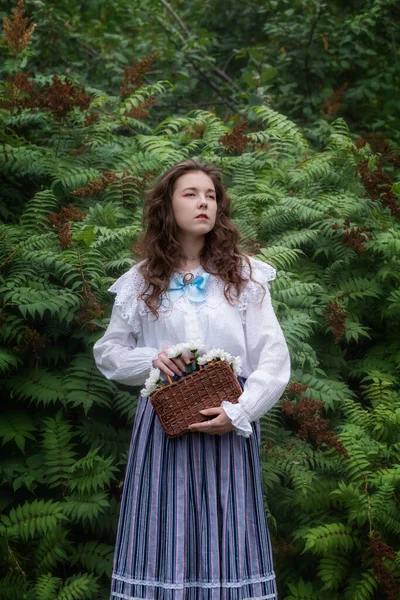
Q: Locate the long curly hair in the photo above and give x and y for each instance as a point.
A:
(160, 250)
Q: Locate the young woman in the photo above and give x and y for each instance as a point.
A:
(192, 524)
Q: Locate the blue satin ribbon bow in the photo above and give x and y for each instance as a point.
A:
(195, 290)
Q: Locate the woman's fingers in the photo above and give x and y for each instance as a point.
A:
(179, 364)
(217, 426)
(163, 367)
(171, 366)
(208, 412)
(203, 426)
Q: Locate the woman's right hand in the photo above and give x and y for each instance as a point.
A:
(171, 366)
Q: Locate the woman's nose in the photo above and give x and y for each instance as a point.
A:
(203, 202)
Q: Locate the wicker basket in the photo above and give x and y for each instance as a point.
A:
(178, 404)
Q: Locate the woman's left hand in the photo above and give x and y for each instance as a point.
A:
(217, 426)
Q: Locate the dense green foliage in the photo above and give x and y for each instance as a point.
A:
(72, 169)
(312, 60)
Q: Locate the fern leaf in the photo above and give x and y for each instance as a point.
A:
(37, 385)
(332, 570)
(39, 209)
(86, 507)
(46, 587)
(13, 587)
(58, 450)
(85, 386)
(30, 519)
(91, 472)
(332, 538)
(96, 558)
(17, 426)
(280, 256)
(79, 587)
(8, 360)
(52, 549)
(35, 303)
(361, 586)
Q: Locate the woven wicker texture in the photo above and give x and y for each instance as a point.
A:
(177, 405)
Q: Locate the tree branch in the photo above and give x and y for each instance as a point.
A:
(198, 69)
(176, 17)
(221, 73)
(306, 55)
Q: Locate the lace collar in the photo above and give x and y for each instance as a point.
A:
(129, 286)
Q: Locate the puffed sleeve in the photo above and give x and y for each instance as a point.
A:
(268, 358)
(116, 354)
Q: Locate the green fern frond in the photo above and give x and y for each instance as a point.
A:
(40, 241)
(281, 257)
(302, 590)
(13, 586)
(53, 548)
(17, 426)
(140, 95)
(31, 519)
(8, 360)
(58, 450)
(355, 413)
(86, 507)
(38, 385)
(332, 570)
(361, 586)
(46, 587)
(85, 386)
(96, 558)
(35, 303)
(82, 586)
(126, 403)
(281, 126)
(108, 439)
(332, 538)
(354, 500)
(91, 472)
(38, 210)
(379, 387)
(294, 293)
(23, 160)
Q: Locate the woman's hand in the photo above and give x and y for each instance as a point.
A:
(171, 366)
(218, 426)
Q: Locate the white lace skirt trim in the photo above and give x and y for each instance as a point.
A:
(190, 584)
(126, 597)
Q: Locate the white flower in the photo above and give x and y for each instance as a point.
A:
(177, 350)
(237, 365)
(151, 383)
(203, 360)
(220, 354)
(196, 346)
(185, 348)
(154, 381)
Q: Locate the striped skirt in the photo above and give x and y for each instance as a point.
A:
(192, 524)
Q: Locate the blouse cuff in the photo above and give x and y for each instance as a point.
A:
(238, 417)
(136, 366)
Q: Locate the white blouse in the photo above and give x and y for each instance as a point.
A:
(248, 329)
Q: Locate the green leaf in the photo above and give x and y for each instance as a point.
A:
(17, 426)
(268, 74)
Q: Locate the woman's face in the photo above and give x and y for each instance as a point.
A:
(194, 194)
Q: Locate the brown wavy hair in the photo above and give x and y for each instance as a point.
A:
(159, 247)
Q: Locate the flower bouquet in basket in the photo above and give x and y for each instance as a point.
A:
(209, 379)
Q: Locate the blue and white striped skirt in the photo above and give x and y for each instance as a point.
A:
(192, 524)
